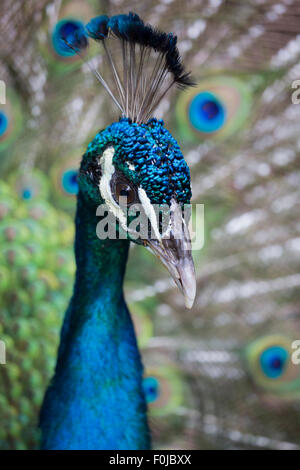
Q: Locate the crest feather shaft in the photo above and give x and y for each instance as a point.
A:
(144, 63)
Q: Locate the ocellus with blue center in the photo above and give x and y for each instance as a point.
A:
(96, 399)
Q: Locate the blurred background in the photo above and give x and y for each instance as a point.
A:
(219, 376)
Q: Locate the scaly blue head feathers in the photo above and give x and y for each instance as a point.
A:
(147, 155)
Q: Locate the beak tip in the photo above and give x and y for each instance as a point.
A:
(188, 303)
(188, 284)
(175, 253)
(189, 299)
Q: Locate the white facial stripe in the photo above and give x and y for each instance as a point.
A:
(108, 170)
(167, 232)
(173, 207)
(149, 211)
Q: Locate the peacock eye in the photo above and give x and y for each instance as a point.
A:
(124, 192)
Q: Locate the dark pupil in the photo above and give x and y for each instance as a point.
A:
(210, 109)
(276, 363)
(74, 178)
(68, 28)
(125, 191)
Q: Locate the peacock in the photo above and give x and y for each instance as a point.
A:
(96, 399)
(218, 376)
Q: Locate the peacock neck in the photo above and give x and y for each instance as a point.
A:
(96, 399)
(100, 263)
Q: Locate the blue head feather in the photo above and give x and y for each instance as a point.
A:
(132, 29)
(122, 25)
(97, 28)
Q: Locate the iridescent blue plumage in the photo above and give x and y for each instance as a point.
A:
(3, 123)
(131, 28)
(69, 181)
(97, 28)
(69, 37)
(207, 113)
(273, 361)
(151, 389)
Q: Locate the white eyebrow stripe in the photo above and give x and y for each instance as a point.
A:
(108, 170)
(149, 211)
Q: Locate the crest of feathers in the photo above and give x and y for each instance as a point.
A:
(144, 62)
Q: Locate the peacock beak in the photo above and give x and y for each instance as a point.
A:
(174, 251)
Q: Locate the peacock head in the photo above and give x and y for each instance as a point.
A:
(136, 161)
(138, 172)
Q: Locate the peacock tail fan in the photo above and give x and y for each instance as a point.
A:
(64, 175)
(166, 394)
(11, 119)
(36, 275)
(216, 108)
(269, 361)
(30, 184)
(163, 389)
(143, 325)
(68, 18)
